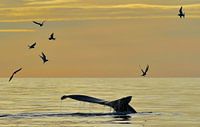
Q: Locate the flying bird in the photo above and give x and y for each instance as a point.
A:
(32, 46)
(44, 58)
(181, 13)
(38, 23)
(15, 72)
(144, 72)
(52, 37)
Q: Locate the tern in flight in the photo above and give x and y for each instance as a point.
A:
(15, 72)
(38, 23)
(181, 13)
(52, 37)
(44, 58)
(144, 72)
(32, 46)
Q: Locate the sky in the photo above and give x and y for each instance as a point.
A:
(100, 38)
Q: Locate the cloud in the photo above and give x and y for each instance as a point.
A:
(94, 6)
(151, 6)
(47, 2)
(57, 12)
(97, 18)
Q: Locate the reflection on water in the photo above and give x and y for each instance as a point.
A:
(122, 119)
(160, 102)
(32, 115)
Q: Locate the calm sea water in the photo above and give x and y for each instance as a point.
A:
(35, 102)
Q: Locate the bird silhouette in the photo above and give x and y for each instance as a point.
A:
(44, 58)
(38, 23)
(52, 37)
(144, 72)
(181, 13)
(32, 46)
(11, 77)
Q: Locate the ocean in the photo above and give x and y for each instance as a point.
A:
(160, 102)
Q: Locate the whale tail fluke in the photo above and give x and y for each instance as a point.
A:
(120, 106)
(84, 98)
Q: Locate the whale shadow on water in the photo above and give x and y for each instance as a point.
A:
(56, 114)
(108, 118)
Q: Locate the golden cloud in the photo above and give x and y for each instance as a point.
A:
(89, 11)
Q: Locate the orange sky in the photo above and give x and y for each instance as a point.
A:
(100, 38)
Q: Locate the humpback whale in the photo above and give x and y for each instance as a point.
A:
(120, 105)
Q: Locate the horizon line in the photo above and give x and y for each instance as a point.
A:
(113, 77)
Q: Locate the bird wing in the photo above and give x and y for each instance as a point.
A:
(147, 68)
(33, 44)
(11, 77)
(52, 35)
(43, 56)
(43, 59)
(36, 22)
(181, 10)
(17, 70)
(141, 69)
